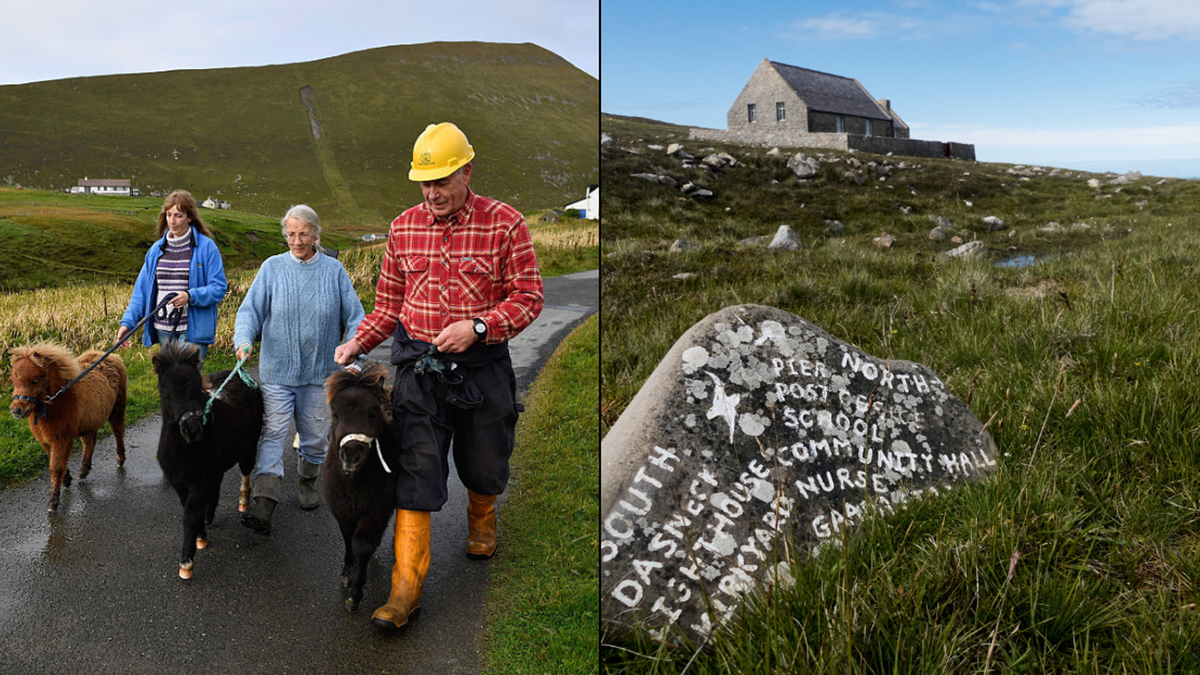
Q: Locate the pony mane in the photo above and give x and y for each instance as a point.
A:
(372, 376)
(59, 363)
(173, 354)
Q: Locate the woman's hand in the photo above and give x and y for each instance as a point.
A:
(181, 300)
(244, 351)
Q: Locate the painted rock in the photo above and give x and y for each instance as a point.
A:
(761, 437)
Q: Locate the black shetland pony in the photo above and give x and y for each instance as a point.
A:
(195, 454)
(360, 487)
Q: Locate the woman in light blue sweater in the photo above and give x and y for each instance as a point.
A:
(300, 307)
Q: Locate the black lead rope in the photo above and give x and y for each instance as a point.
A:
(41, 408)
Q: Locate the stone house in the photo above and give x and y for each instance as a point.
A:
(117, 187)
(789, 98)
(787, 106)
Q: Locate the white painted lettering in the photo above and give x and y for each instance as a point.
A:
(659, 459)
(628, 593)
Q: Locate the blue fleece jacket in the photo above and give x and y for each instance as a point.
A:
(206, 288)
(301, 312)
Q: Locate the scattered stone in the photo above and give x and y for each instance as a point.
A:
(1126, 178)
(773, 152)
(1012, 233)
(971, 248)
(655, 147)
(701, 194)
(720, 160)
(833, 227)
(667, 180)
(759, 431)
(969, 204)
(936, 234)
(905, 209)
(1141, 203)
(994, 224)
(684, 276)
(755, 241)
(683, 246)
(803, 166)
(884, 240)
(785, 238)
(943, 222)
(652, 177)
(1050, 226)
(606, 138)
(1161, 181)
(1147, 188)
(1081, 226)
(956, 239)
(1094, 183)
(855, 176)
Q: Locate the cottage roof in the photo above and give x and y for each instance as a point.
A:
(824, 92)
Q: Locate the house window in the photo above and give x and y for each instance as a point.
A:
(868, 127)
(779, 114)
(750, 113)
(841, 124)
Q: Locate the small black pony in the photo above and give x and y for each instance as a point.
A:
(194, 453)
(360, 487)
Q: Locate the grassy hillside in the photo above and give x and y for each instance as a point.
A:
(245, 134)
(1081, 555)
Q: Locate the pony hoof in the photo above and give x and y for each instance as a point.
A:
(243, 508)
(185, 570)
(351, 604)
(201, 543)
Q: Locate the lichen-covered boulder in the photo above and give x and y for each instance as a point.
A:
(760, 437)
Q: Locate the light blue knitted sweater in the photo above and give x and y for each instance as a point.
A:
(301, 312)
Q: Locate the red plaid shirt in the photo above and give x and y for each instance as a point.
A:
(478, 262)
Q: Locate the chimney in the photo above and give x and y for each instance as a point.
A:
(887, 105)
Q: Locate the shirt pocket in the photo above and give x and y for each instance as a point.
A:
(475, 278)
(415, 269)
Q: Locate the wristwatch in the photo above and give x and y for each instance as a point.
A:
(480, 328)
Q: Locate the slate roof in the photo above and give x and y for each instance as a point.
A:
(103, 182)
(830, 93)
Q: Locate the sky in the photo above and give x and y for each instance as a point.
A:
(55, 39)
(1094, 85)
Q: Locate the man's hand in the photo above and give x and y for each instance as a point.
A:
(345, 354)
(456, 337)
(121, 333)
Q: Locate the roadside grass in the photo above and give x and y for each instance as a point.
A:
(1082, 553)
(543, 602)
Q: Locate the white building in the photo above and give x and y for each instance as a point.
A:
(589, 205)
(211, 203)
(115, 187)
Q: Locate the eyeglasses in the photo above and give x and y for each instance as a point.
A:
(298, 236)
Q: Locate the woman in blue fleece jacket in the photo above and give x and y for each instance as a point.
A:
(185, 261)
(301, 306)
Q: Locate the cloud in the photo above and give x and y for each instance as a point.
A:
(836, 26)
(1182, 97)
(1139, 19)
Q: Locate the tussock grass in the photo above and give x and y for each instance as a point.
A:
(1082, 553)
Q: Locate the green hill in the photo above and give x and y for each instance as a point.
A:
(246, 135)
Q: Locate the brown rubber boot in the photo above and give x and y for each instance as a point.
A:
(408, 574)
(481, 521)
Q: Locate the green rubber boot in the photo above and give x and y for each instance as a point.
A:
(310, 496)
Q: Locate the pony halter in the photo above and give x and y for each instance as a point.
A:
(363, 438)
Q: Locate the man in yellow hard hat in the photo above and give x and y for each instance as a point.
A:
(459, 280)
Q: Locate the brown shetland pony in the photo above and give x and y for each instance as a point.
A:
(38, 372)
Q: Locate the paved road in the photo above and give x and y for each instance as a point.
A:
(94, 588)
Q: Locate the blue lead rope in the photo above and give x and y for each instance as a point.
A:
(237, 370)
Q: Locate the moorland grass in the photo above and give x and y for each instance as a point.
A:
(1082, 553)
(543, 602)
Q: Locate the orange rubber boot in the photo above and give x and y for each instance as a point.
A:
(481, 519)
(408, 574)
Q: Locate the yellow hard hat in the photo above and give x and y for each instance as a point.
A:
(440, 150)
